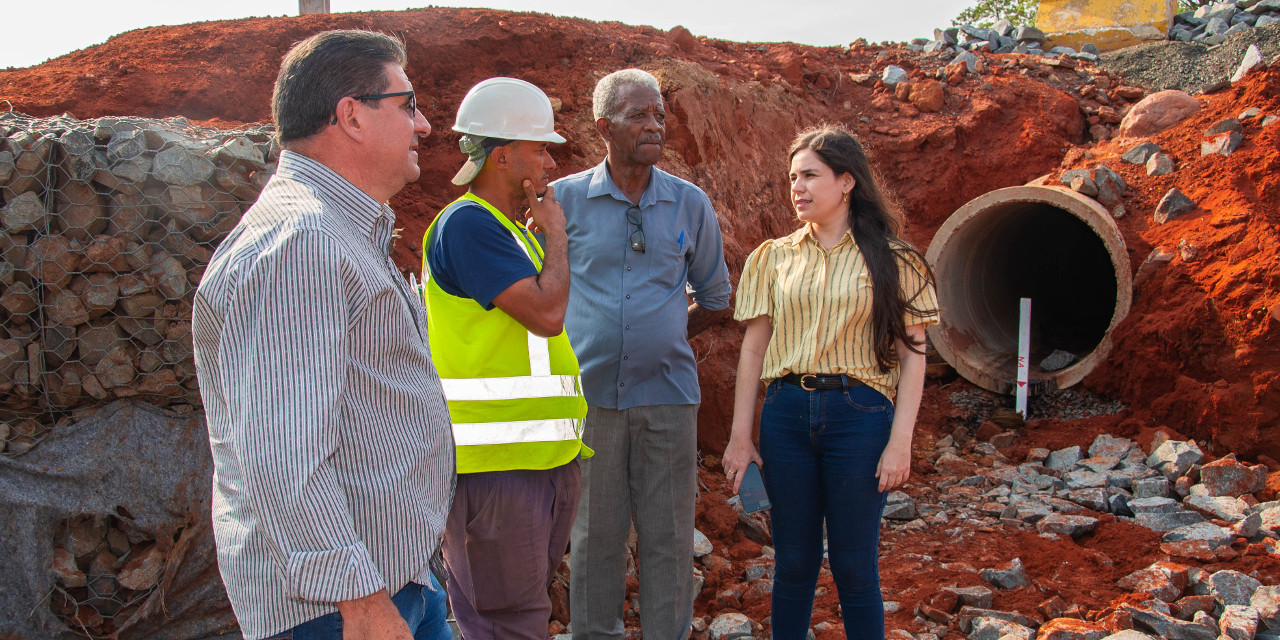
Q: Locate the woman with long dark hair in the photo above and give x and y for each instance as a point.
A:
(835, 316)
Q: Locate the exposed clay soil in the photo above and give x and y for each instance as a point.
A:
(1198, 354)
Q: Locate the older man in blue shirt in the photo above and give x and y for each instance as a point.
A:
(640, 241)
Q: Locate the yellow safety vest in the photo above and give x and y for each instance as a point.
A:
(515, 398)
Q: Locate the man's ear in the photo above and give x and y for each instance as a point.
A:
(604, 127)
(499, 157)
(349, 119)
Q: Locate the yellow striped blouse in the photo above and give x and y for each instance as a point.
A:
(819, 303)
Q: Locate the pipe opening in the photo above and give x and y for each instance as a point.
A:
(1057, 248)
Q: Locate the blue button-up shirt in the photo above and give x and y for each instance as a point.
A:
(628, 311)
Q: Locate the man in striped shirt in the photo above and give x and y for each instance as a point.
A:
(333, 456)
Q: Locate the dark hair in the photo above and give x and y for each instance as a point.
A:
(875, 225)
(325, 68)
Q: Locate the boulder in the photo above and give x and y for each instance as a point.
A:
(1158, 112)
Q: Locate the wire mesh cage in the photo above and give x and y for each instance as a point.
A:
(106, 227)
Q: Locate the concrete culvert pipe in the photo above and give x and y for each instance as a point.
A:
(1053, 245)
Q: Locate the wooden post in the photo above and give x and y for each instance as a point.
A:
(312, 6)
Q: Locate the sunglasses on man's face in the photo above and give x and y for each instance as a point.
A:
(411, 106)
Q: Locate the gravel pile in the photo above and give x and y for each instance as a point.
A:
(1189, 66)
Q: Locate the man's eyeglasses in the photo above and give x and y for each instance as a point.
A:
(637, 236)
(411, 106)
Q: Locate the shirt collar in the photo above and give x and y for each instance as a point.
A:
(660, 187)
(807, 232)
(369, 216)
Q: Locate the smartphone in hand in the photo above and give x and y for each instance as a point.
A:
(754, 498)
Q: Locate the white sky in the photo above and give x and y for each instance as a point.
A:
(37, 30)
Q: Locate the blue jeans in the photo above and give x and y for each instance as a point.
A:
(421, 607)
(820, 451)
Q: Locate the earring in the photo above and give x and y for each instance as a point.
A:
(846, 197)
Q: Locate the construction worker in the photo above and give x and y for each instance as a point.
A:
(496, 300)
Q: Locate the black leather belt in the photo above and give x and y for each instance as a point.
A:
(821, 381)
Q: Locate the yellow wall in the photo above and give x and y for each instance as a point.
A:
(1109, 24)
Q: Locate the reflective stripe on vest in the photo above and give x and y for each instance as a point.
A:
(478, 433)
(541, 384)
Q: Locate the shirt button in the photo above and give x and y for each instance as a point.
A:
(628, 327)
(624, 357)
(628, 268)
(622, 384)
(628, 297)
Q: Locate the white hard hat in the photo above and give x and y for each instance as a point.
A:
(504, 108)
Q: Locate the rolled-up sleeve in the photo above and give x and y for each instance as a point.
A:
(708, 275)
(755, 291)
(284, 368)
(917, 289)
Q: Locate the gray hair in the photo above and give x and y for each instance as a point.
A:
(604, 101)
(325, 68)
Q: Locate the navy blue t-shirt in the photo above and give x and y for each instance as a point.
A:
(472, 255)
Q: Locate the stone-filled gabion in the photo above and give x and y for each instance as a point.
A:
(105, 229)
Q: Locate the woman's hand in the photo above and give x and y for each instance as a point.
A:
(894, 466)
(737, 455)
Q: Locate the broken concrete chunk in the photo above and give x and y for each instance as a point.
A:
(1057, 360)
(1174, 457)
(701, 544)
(892, 75)
(1232, 587)
(1226, 508)
(1153, 505)
(1225, 125)
(1266, 601)
(1230, 477)
(1140, 153)
(1173, 204)
(1252, 59)
(1159, 164)
(1160, 584)
(985, 628)
(1073, 526)
(1238, 622)
(1064, 459)
(1205, 531)
(1223, 144)
(729, 626)
(1106, 445)
(1167, 521)
(1084, 185)
(1008, 576)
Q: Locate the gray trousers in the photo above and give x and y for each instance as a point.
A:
(505, 537)
(644, 468)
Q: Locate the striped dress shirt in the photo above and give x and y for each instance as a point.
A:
(333, 456)
(819, 303)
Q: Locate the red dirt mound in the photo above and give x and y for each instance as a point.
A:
(1198, 353)
(734, 108)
